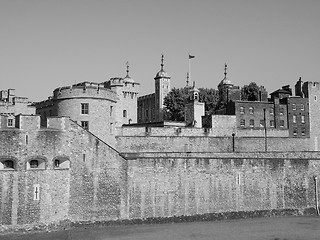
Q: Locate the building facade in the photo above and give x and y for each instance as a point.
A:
(281, 112)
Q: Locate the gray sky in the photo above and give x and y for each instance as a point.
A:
(48, 44)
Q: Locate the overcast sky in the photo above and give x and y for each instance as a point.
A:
(47, 44)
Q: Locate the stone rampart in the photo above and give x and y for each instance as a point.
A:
(77, 177)
(173, 184)
(225, 130)
(210, 144)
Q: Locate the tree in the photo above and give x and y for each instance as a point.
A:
(210, 97)
(250, 92)
(174, 104)
(177, 99)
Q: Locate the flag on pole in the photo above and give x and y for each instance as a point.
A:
(190, 56)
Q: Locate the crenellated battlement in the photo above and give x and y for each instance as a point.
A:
(126, 85)
(84, 90)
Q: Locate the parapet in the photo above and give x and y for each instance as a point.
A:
(27, 122)
(85, 89)
(59, 123)
(127, 86)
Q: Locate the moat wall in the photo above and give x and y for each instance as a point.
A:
(167, 185)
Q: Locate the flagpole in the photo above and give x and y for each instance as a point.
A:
(189, 69)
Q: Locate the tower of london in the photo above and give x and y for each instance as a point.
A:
(99, 152)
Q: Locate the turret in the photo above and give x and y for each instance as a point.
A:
(162, 88)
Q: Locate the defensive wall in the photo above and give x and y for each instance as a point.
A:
(86, 185)
(164, 185)
(180, 139)
(97, 183)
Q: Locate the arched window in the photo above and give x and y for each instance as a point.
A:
(37, 163)
(34, 164)
(7, 164)
(61, 162)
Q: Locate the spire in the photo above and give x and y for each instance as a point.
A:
(225, 70)
(127, 78)
(162, 61)
(162, 73)
(127, 63)
(187, 79)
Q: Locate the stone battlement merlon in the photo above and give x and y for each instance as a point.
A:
(84, 91)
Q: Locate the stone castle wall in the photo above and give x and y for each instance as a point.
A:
(89, 187)
(169, 184)
(169, 139)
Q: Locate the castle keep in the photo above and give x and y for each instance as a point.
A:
(89, 153)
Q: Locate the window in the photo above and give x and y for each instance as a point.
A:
(111, 109)
(148, 130)
(294, 119)
(10, 122)
(36, 192)
(281, 123)
(294, 107)
(242, 122)
(302, 107)
(34, 164)
(124, 113)
(281, 111)
(111, 128)
(84, 108)
(271, 111)
(85, 125)
(315, 98)
(251, 110)
(303, 131)
(271, 123)
(295, 132)
(56, 163)
(302, 119)
(261, 123)
(241, 110)
(7, 164)
(61, 163)
(251, 123)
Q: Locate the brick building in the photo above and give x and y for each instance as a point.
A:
(281, 112)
